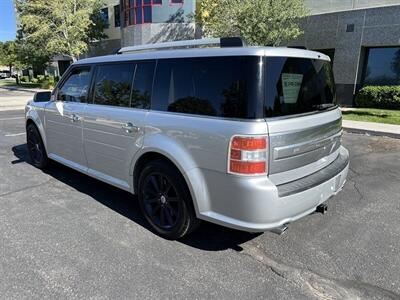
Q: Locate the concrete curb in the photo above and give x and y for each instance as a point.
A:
(372, 128)
(371, 132)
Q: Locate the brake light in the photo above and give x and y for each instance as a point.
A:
(248, 155)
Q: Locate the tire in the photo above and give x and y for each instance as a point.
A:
(165, 200)
(36, 149)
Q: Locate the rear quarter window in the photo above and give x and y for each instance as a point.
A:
(217, 86)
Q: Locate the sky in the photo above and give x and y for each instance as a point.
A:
(7, 20)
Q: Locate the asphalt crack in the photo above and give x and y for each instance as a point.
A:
(361, 196)
(25, 188)
(317, 285)
(355, 185)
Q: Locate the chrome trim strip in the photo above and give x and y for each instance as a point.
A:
(314, 179)
(301, 148)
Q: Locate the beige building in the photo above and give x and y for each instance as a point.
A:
(111, 44)
(112, 19)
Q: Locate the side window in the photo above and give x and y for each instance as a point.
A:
(222, 83)
(142, 84)
(112, 84)
(218, 86)
(174, 88)
(76, 87)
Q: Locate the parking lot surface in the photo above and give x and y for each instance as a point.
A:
(12, 97)
(65, 235)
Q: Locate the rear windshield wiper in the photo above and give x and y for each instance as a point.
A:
(324, 106)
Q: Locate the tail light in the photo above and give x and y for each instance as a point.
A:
(248, 155)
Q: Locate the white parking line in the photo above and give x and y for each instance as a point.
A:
(16, 118)
(15, 134)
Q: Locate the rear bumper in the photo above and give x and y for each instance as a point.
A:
(256, 204)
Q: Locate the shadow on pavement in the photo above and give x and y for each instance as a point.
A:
(209, 237)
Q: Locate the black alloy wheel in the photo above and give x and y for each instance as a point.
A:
(36, 149)
(165, 200)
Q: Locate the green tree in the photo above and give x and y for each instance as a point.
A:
(260, 22)
(31, 54)
(60, 26)
(9, 55)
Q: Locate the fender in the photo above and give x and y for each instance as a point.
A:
(35, 113)
(177, 154)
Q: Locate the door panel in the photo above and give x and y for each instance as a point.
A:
(64, 131)
(112, 130)
(109, 143)
(64, 116)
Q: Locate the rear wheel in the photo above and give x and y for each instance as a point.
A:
(36, 149)
(165, 200)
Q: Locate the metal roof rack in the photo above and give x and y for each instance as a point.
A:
(213, 42)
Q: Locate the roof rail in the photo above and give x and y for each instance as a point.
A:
(216, 42)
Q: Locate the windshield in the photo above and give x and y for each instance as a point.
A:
(298, 85)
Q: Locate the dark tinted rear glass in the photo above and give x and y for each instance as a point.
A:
(142, 84)
(216, 86)
(297, 85)
(112, 85)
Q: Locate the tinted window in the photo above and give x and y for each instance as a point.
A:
(382, 66)
(297, 85)
(113, 84)
(226, 87)
(142, 84)
(75, 88)
(117, 16)
(104, 17)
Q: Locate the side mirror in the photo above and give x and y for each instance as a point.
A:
(42, 97)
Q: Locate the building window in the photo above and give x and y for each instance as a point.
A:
(176, 1)
(117, 16)
(382, 66)
(138, 11)
(104, 17)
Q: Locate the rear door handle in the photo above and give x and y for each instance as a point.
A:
(75, 118)
(129, 128)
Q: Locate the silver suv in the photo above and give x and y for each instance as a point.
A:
(245, 137)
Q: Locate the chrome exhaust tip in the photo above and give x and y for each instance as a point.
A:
(279, 230)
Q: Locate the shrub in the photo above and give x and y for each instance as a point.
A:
(40, 78)
(47, 85)
(24, 79)
(34, 80)
(51, 79)
(379, 97)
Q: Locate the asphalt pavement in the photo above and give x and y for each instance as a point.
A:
(65, 235)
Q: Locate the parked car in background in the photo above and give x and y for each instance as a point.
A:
(5, 74)
(245, 137)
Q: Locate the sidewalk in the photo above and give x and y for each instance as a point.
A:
(14, 98)
(372, 128)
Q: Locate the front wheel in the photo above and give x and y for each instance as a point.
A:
(165, 200)
(36, 149)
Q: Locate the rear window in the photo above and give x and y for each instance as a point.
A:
(297, 85)
(214, 86)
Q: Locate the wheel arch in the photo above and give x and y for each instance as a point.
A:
(192, 176)
(32, 117)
